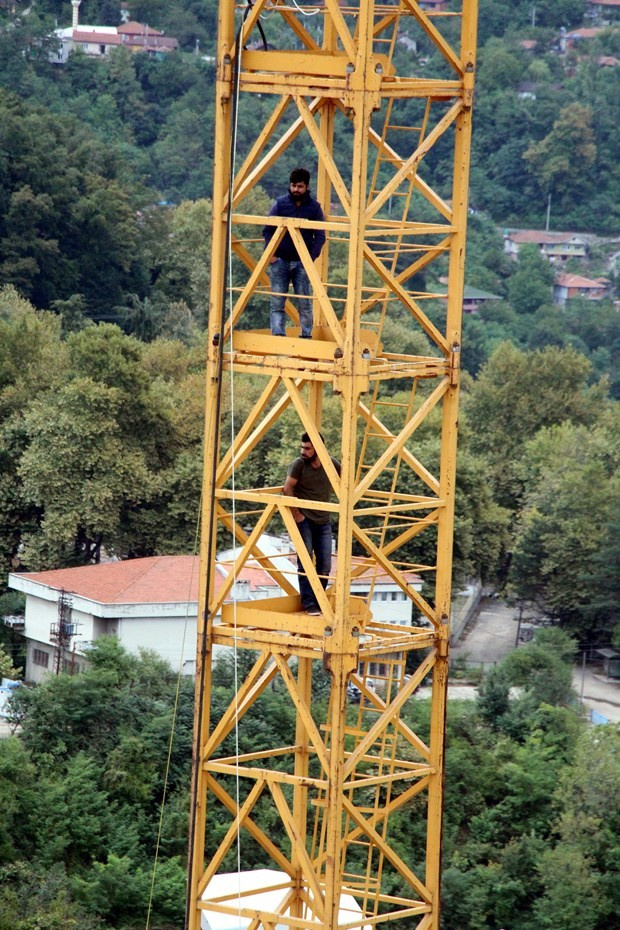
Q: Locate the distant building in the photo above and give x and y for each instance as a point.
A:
(153, 602)
(474, 298)
(568, 286)
(557, 247)
(99, 41)
(577, 37)
(604, 11)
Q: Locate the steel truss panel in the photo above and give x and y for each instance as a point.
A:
(393, 84)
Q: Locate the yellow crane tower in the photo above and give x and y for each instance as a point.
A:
(370, 96)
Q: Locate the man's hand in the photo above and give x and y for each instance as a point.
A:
(289, 490)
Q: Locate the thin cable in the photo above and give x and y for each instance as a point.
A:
(172, 729)
(233, 160)
(296, 6)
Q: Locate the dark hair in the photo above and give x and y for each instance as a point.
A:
(305, 438)
(300, 174)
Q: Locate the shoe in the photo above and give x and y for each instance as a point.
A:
(309, 336)
(314, 611)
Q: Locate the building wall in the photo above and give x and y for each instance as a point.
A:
(173, 638)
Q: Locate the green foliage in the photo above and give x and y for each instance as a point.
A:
(530, 285)
(543, 668)
(7, 669)
(572, 472)
(585, 857)
(515, 395)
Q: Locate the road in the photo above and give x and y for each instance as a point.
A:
(491, 637)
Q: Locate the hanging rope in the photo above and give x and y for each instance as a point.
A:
(175, 709)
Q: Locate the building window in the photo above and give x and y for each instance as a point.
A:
(41, 657)
(70, 667)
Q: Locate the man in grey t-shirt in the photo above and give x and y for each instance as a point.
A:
(308, 479)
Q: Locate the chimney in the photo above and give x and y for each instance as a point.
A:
(76, 13)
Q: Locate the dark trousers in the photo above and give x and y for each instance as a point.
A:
(282, 273)
(317, 538)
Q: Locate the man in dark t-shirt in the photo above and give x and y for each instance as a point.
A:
(306, 478)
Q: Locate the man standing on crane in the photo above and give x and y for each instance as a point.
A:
(306, 478)
(286, 266)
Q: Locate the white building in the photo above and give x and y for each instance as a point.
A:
(555, 246)
(99, 41)
(153, 602)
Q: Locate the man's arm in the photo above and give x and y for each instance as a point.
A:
(289, 489)
(268, 231)
(319, 235)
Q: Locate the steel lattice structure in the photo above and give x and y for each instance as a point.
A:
(346, 72)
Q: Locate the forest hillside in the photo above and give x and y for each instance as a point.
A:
(105, 235)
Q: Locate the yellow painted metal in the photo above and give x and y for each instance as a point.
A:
(347, 87)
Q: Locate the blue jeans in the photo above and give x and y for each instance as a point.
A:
(317, 538)
(281, 274)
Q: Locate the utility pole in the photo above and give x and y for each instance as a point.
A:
(63, 631)
(330, 793)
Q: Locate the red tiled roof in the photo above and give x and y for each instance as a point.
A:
(586, 32)
(164, 579)
(575, 280)
(134, 28)
(540, 236)
(153, 43)
(158, 580)
(101, 38)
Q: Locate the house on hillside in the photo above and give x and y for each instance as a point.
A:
(99, 41)
(578, 37)
(153, 602)
(556, 246)
(473, 298)
(568, 286)
(603, 11)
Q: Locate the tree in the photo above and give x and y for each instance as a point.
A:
(516, 394)
(531, 284)
(493, 697)
(68, 225)
(567, 153)
(544, 674)
(585, 857)
(81, 473)
(32, 362)
(563, 558)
